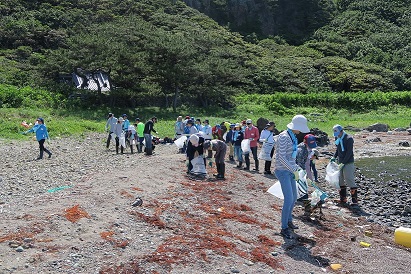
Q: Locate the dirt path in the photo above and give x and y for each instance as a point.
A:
(183, 226)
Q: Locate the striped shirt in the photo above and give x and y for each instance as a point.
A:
(283, 153)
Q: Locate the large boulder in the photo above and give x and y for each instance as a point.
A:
(321, 137)
(378, 127)
(261, 123)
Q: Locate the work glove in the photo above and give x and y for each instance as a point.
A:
(263, 140)
(332, 160)
(296, 175)
(310, 182)
(340, 166)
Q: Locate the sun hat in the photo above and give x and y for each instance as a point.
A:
(237, 125)
(337, 130)
(299, 122)
(121, 119)
(249, 121)
(310, 140)
(194, 139)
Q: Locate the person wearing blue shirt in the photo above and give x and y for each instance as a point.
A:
(41, 135)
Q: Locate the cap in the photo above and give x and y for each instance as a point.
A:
(337, 130)
(310, 140)
(121, 119)
(190, 121)
(137, 119)
(249, 121)
(206, 145)
(206, 121)
(270, 124)
(299, 122)
(40, 119)
(232, 125)
(124, 115)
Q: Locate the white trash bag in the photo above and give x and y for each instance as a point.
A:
(333, 175)
(180, 141)
(265, 152)
(301, 186)
(276, 190)
(245, 146)
(122, 140)
(198, 166)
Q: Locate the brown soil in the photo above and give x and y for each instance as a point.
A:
(183, 225)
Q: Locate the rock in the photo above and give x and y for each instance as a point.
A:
(409, 130)
(19, 249)
(261, 123)
(378, 127)
(404, 144)
(407, 209)
(373, 140)
(351, 128)
(399, 129)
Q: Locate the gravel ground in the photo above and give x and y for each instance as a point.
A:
(73, 213)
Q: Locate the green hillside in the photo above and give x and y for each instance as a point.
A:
(164, 53)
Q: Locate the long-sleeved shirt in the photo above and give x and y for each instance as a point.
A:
(149, 127)
(283, 153)
(118, 129)
(252, 133)
(346, 156)
(126, 124)
(179, 127)
(303, 159)
(207, 132)
(267, 135)
(111, 122)
(238, 136)
(40, 130)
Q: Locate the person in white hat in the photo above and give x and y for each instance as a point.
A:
(286, 170)
(194, 147)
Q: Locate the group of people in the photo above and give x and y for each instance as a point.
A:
(128, 135)
(290, 156)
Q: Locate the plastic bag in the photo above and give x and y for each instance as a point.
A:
(302, 187)
(122, 140)
(180, 141)
(245, 146)
(333, 174)
(265, 153)
(318, 195)
(276, 190)
(198, 166)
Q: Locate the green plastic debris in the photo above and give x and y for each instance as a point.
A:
(57, 189)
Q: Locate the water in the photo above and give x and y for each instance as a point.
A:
(386, 168)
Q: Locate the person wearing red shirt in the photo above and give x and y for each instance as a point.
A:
(251, 132)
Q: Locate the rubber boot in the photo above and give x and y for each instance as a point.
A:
(267, 167)
(116, 149)
(307, 207)
(220, 175)
(218, 166)
(240, 164)
(257, 163)
(343, 196)
(209, 153)
(108, 142)
(354, 196)
(247, 164)
(231, 158)
(122, 149)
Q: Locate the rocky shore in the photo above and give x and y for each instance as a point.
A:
(73, 213)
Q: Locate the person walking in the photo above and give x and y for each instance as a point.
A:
(110, 124)
(148, 128)
(41, 136)
(286, 170)
(251, 133)
(344, 155)
(220, 148)
(267, 138)
(238, 136)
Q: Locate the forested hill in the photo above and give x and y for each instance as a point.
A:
(168, 52)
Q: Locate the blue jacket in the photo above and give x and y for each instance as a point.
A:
(40, 130)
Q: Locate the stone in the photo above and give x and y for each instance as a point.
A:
(19, 249)
(378, 127)
(404, 144)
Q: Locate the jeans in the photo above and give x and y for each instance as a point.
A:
(315, 173)
(289, 189)
(148, 140)
(239, 153)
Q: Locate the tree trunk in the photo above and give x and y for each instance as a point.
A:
(176, 95)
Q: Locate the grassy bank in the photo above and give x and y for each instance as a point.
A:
(63, 123)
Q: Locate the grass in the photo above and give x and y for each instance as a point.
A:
(63, 123)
